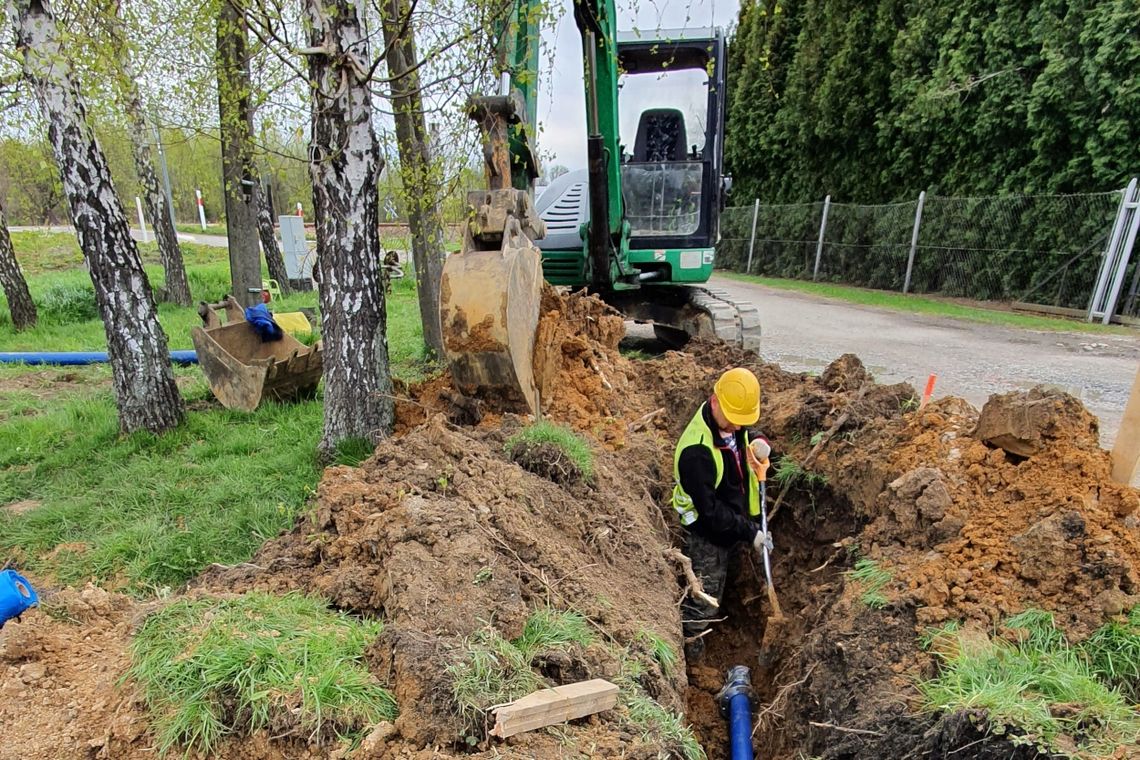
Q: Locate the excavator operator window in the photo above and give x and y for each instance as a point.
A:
(663, 116)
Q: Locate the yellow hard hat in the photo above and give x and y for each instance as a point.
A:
(738, 392)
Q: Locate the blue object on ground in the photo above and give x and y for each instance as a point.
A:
(73, 358)
(263, 323)
(16, 595)
(735, 699)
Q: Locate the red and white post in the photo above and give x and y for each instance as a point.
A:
(300, 213)
(201, 209)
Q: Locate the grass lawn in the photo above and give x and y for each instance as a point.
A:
(196, 229)
(143, 512)
(939, 307)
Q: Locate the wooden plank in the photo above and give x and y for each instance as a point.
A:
(1126, 450)
(558, 705)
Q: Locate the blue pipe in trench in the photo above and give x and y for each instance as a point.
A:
(72, 358)
(735, 699)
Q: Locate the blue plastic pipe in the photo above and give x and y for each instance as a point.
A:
(735, 699)
(740, 727)
(79, 357)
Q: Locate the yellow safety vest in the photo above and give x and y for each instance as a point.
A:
(697, 432)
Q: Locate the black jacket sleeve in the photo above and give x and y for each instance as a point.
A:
(717, 520)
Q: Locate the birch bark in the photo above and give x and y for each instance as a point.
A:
(345, 165)
(143, 380)
(20, 304)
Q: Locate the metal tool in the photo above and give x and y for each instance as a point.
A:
(776, 620)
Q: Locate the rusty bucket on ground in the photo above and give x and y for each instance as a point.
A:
(243, 370)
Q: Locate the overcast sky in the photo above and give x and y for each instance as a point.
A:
(562, 100)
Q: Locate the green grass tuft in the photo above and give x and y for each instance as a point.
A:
(661, 651)
(68, 302)
(871, 579)
(571, 445)
(789, 472)
(353, 451)
(1040, 688)
(212, 667)
(1113, 652)
(657, 726)
(493, 670)
(548, 629)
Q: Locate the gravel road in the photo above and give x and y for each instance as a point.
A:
(971, 360)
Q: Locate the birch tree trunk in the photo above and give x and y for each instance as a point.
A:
(20, 304)
(239, 179)
(274, 260)
(417, 170)
(145, 391)
(345, 164)
(177, 289)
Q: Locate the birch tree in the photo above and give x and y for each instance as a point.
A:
(274, 259)
(418, 171)
(345, 165)
(143, 380)
(239, 181)
(177, 287)
(20, 304)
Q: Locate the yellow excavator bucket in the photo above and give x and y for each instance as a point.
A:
(489, 304)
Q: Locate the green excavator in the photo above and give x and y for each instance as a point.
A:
(638, 227)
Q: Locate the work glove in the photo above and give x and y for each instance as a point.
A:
(762, 541)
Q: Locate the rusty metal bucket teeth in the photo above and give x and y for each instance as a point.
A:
(489, 303)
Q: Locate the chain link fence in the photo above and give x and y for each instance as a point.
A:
(1044, 249)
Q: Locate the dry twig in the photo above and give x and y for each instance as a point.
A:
(844, 729)
(644, 420)
(695, 585)
(775, 707)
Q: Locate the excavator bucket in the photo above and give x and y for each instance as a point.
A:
(489, 304)
(242, 370)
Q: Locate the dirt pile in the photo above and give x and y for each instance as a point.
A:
(974, 517)
(978, 532)
(442, 536)
(61, 665)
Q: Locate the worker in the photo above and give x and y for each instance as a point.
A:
(717, 492)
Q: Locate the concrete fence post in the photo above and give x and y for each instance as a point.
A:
(752, 239)
(822, 230)
(914, 239)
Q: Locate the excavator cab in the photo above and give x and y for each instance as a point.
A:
(671, 123)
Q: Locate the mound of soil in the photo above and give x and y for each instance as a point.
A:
(441, 535)
(975, 517)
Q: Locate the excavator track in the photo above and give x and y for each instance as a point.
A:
(734, 322)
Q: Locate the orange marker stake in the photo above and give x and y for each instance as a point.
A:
(928, 392)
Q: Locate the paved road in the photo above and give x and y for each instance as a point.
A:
(804, 333)
(218, 241)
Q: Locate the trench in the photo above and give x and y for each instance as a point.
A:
(806, 533)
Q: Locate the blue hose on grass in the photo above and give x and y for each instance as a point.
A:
(73, 358)
(735, 700)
